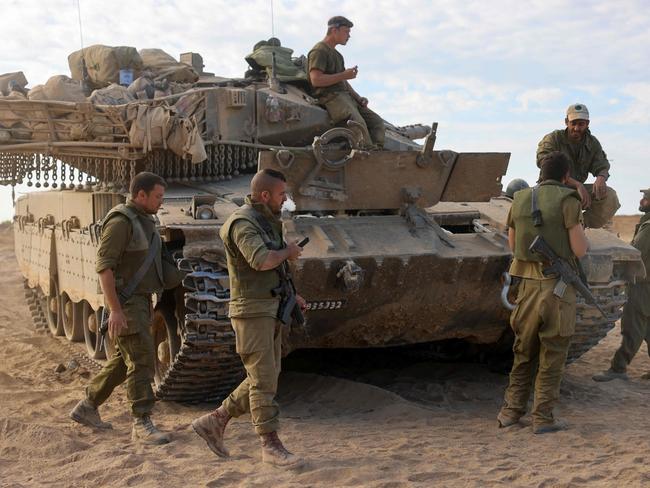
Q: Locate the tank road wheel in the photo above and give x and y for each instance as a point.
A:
(72, 317)
(53, 310)
(91, 320)
(166, 341)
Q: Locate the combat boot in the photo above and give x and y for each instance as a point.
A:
(85, 413)
(504, 421)
(146, 432)
(555, 426)
(211, 428)
(609, 375)
(274, 453)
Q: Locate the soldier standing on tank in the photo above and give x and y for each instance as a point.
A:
(253, 313)
(128, 231)
(329, 80)
(543, 323)
(635, 322)
(586, 156)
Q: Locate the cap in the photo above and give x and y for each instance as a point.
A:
(339, 21)
(646, 193)
(577, 111)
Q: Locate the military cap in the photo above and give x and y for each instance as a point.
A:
(577, 111)
(339, 21)
(646, 193)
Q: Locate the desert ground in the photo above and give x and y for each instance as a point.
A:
(397, 423)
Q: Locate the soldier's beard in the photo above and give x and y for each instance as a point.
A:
(644, 208)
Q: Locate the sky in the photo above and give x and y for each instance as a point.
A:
(495, 75)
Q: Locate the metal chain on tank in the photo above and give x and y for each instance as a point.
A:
(222, 162)
(62, 171)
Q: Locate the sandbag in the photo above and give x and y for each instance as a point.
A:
(104, 63)
(165, 67)
(113, 94)
(6, 78)
(63, 89)
(37, 93)
(185, 140)
(143, 88)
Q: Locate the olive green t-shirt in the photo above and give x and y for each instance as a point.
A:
(572, 212)
(329, 61)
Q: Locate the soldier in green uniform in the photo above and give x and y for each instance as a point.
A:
(543, 322)
(635, 322)
(329, 80)
(253, 253)
(586, 156)
(128, 231)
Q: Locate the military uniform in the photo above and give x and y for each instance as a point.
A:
(337, 99)
(635, 322)
(253, 312)
(586, 156)
(543, 323)
(127, 233)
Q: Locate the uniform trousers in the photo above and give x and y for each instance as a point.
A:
(543, 325)
(635, 327)
(601, 211)
(259, 344)
(341, 106)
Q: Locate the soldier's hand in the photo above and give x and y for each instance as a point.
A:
(363, 101)
(116, 323)
(584, 196)
(301, 302)
(294, 250)
(350, 73)
(600, 188)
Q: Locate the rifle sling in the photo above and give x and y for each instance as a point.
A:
(127, 291)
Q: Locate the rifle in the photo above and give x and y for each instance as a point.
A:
(568, 276)
(289, 309)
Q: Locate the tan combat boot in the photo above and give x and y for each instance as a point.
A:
(211, 428)
(85, 413)
(273, 452)
(146, 432)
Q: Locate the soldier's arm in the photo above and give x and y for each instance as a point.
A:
(600, 164)
(573, 223)
(252, 247)
(319, 79)
(544, 147)
(363, 101)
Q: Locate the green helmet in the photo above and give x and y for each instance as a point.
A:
(514, 186)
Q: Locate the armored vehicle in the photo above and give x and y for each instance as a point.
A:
(407, 245)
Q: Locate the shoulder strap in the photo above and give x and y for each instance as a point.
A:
(154, 248)
(267, 235)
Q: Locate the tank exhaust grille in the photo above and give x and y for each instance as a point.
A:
(236, 98)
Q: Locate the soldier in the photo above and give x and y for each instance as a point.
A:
(543, 323)
(329, 80)
(586, 156)
(128, 233)
(635, 323)
(253, 312)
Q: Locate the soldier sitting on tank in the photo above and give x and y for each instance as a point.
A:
(128, 232)
(329, 80)
(542, 321)
(586, 155)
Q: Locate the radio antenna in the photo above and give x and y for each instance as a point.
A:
(272, 21)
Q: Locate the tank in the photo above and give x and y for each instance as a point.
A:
(407, 246)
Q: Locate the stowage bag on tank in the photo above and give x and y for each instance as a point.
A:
(104, 63)
(165, 67)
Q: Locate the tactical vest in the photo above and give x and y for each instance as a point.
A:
(246, 282)
(550, 196)
(143, 230)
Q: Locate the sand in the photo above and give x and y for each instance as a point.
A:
(416, 424)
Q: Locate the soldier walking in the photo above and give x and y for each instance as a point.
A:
(252, 238)
(542, 321)
(586, 156)
(128, 238)
(635, 322)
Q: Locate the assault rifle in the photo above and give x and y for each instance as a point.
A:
(560, 267)
(289, 309)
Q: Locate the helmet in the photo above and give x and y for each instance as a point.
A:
(514, 186)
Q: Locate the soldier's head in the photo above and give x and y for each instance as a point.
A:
(338, 29)
(577, 121)
(147, 191)
(270, 188)
(555, 166)
(644, 204)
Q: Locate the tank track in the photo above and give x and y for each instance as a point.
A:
(591, 326)
(207, 367)
(34, 298)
